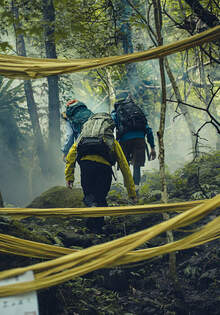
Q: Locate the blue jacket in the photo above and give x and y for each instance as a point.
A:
(71, 136)
(135, 134)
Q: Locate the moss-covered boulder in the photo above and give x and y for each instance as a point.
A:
(59, 197)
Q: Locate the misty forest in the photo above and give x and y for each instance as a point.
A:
(158, 259)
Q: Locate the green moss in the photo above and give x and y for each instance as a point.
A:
(59, 197)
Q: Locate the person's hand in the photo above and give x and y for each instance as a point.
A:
(153, 154)
(69, 184)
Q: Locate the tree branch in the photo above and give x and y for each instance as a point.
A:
(200, 108)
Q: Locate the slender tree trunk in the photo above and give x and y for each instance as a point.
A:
(111, 96)
(32, 108)
(160, 133)
(158, 24)
(53, 88)
(111, 91)
(184, 110)
(126, 35)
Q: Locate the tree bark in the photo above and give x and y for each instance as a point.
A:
(126, 37)
(31, 105)
(53, 88)
(111, 91)
(160, 133)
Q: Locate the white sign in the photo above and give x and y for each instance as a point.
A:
(24, 304)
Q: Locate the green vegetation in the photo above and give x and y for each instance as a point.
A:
(31, 132)
(198, 179)
(139, 288)
(96, 29)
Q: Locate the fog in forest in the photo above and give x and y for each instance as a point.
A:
(21, 187)
(21, 177)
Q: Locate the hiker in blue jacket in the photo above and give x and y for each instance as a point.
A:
(133, 141)
(75, 116)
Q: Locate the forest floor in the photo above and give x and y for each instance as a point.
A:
(143, 288)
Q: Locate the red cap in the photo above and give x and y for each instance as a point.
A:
(71, 102)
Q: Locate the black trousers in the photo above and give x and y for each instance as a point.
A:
(134, 150)
(96, 181)
(136, 174)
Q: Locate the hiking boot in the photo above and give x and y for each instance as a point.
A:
(89, 201)
(95, 225)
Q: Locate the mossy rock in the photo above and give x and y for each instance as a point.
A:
(59, 197)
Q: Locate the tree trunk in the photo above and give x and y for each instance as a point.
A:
(126, 37)
(32, 108)
(111, 91)
(184, 110)
(160, 133)
(54, 134)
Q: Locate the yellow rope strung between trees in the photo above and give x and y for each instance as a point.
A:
(20, 213)
(116, 252)
(12, 245)
(17, 246)
(17, 67)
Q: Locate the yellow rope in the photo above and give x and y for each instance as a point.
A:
(17, 67)
(12, 245)
(20, 213)
(116, 252)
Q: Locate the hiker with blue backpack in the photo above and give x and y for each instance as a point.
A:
(75, 116)
(96, 151)
(131, 129)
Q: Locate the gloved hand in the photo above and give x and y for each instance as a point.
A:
(153, 154)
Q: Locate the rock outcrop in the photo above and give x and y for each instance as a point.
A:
(59, 197)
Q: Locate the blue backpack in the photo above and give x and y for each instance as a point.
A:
(77, 115)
